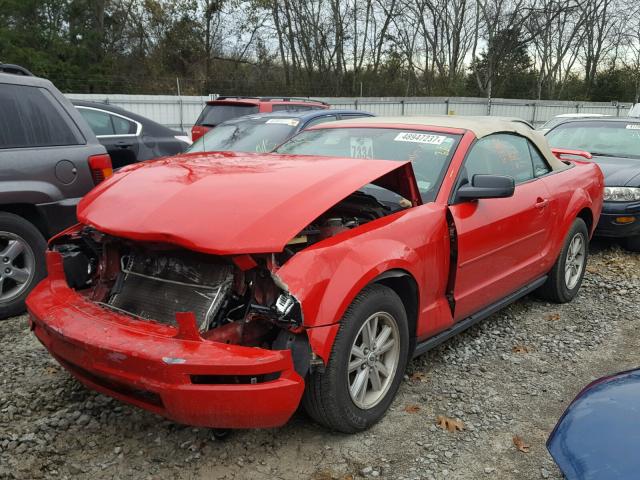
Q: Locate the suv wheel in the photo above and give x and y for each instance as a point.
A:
(22, 262)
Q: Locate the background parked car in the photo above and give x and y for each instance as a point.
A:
(558, 119)
(226, 108)
(129, 137)
(615, 146)
(597, 436)
(50, 159)
(265, 131)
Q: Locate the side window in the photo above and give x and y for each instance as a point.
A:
(540, 165)
(100, 122)
(122, 126)
(104, 124)
(319, 120)
(31, 117)
(500, 154)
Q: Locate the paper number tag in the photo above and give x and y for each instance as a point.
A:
(420, 138)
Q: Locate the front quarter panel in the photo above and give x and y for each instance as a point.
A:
(326, 277)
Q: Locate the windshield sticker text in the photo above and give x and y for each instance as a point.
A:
(420, 138)
(361, 147)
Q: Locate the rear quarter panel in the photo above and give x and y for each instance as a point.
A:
(572, 190)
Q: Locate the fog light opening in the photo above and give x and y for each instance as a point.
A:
(624, 220)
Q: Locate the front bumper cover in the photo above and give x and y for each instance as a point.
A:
(190, 381)
(608, 227)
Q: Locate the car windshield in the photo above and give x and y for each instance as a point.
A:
(250, 135)
(601, 138)
(215, 114)
(429, 152)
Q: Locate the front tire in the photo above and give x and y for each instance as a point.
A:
(567, 273)
(366, 366)
(22, 262)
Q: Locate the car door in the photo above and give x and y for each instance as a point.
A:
(499, 240)
(119, 135)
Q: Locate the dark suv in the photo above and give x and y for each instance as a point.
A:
(50, 158)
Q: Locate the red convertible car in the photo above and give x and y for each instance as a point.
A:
(224, 289)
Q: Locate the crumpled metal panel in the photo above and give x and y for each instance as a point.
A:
(155, 287)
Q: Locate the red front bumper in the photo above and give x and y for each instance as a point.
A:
(142, 363)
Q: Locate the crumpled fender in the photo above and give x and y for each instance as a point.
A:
(326, 277)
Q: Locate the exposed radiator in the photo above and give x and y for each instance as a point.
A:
(155, 287)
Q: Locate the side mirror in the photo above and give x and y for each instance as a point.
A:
(486, 186)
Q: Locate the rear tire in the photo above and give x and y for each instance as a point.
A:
(567, 273)
(366, 366)
(632, 243)
(22, 262)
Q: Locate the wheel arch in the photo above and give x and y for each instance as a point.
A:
(587, 216)
(406, 287)
(29, 213)
(402, 282)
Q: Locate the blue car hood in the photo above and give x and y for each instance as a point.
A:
(598, 436)
(619, 171)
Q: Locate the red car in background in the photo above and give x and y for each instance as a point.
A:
(225, 108)
(223, 289)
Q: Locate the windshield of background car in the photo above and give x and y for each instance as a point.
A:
(214, 114)
(429, 152)
(251, 135)
(601, 138)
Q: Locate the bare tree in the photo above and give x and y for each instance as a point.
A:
(600, 21)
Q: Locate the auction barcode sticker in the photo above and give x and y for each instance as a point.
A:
(420, 138)
(633, 126)
(292, 122)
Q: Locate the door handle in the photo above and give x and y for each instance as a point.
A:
(542, 203)
(124, 144)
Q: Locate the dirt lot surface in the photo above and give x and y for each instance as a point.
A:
(511, 375)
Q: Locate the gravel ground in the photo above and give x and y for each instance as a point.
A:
(511, 375)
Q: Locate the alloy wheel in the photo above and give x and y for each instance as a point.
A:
(373, 361)
(17, 266)
(574, 263)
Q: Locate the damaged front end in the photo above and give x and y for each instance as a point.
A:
(189, 322)
(195, 338)
(234, 300)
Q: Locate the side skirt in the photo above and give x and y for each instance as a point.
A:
(462, 325)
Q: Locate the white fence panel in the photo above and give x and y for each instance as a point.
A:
(181, 112)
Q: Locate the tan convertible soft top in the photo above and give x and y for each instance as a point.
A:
(479, 126)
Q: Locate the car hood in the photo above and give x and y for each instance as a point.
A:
(224, 203)
(619, 171)
(598, 436)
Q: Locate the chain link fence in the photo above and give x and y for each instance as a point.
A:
(181, 112)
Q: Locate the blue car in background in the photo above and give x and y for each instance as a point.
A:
(598, 436)
(262, 132)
